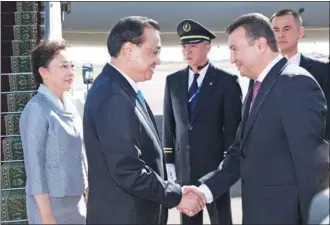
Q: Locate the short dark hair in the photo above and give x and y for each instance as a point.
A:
(286, 12)
(43, 53)
(256, 26)
(128, 29)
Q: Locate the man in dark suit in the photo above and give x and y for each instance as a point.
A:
(287, 25)
(126, 162)
(280, 152)
(202, 110)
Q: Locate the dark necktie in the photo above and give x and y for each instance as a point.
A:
(192, 95)
(256, 87)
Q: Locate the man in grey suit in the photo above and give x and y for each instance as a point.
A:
(280, 152)
(127, 174)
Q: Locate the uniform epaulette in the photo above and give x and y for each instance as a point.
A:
(168, 150)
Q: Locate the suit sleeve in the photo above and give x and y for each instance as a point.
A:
(320, 70)
(324, 70)
(227, 174)
(118, 132)
(232, 110)
(34, 147)
(327, 96)
(168, 126)
(303, 112)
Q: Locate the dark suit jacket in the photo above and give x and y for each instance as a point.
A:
(320, 71)
(198, 145)
(127, 177)
(212, 129)
(279, 151)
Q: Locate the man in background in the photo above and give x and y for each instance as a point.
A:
(202, 110)
(287, 25)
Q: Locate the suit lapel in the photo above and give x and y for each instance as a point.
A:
(145, 118)
(152, 118)
(305, 62)
(182, 90)
(266, 86)
(152, 123)
(245, 111)
(207, 88)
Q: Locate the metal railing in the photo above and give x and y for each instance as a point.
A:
(48, 7)
(47, 20)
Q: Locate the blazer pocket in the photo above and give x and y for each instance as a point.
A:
(279, 191)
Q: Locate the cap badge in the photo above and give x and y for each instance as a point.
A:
(186, 27)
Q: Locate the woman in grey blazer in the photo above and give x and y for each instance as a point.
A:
(51, 133)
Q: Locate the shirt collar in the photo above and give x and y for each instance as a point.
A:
(295, 59)
(130, 80)
(264, 73)
(201, 73)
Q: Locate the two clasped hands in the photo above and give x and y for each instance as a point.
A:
(192, 201)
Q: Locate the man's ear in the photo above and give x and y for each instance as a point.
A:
(301, 32)
(127, 50)
(261, 44)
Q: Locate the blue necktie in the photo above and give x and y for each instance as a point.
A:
(141, 98)
(192, 94)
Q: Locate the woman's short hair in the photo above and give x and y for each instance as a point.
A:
(43, 53)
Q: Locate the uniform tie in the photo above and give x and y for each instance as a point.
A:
(192, 94)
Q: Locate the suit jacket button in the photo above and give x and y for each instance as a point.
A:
(190, 127)
(243, 155)
(188, 146)
(243, 181)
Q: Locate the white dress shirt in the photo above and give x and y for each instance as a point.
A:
(200, 79)
(207, 192)
(263, 74)
(295, 59)
(326, 220)
(130, 80)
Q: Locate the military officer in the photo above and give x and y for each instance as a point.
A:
(202, 111)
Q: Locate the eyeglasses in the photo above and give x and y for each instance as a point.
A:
(64, 67)
(155, 52)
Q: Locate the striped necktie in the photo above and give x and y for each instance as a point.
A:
(192, 94)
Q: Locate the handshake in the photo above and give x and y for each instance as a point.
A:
(192, 201)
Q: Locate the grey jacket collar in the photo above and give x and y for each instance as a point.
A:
(67, 107)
